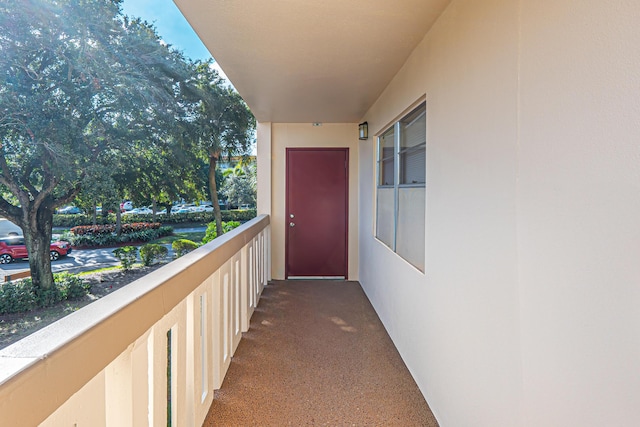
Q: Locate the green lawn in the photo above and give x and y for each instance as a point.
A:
(195, 237)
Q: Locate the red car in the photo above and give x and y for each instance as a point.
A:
(14, 248)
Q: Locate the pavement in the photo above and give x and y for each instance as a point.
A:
(82, 259)
(77, 261)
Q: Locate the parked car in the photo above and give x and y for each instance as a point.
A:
(202, 208)
(69, 210)
(12, 248)
(8, 228)
(126, 205)
(139, 211)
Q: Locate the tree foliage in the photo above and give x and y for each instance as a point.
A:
(78, 84)
(240, 186)
(94, 106)
(222, 123)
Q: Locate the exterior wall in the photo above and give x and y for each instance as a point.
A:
(284, 135)
(526, 314)
(578, 212)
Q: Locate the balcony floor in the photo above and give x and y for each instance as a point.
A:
(317, 354)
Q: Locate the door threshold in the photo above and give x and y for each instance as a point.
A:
(316, 278)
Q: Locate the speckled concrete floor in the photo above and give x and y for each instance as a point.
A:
(316, 354)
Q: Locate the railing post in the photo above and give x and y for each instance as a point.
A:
(246, 303)
(118, 391)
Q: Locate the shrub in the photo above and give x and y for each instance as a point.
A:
(152, 252)
(191, 217)
(47, 297)
(242, 216)
(60, 220)
(127, 256)
(71, 285)
(212, 233)
(17, 296)
(111, 228)
(21, 296)
(136, 234)
(183, 246)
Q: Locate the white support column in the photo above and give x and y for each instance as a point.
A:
(263, 133)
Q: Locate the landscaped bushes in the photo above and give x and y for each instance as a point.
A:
(60, 220)
(152, 252)
(21, 295)
(212, 233)
(127, 256)
(104, 235)
(183, 246)
(191, 217)
(111, 228)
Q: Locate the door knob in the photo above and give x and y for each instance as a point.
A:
(291, 224)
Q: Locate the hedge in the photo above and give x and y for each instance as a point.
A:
(111, 228)
(108, 239)
(191, 217)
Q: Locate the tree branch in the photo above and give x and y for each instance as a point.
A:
(67, 197)
(7, 178)
(12, 212)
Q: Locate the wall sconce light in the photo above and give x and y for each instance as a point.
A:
(363, 129)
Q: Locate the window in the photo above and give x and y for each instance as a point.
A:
(401, 179)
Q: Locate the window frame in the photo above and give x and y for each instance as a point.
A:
(398, 151)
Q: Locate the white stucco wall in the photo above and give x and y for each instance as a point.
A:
(527, 314)
(579, 212)
(273, 140)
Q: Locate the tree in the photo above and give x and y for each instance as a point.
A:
(78, 82)
(220, 123)
(240, 186)
(169, 171)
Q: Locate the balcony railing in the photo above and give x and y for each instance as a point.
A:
(154, 350)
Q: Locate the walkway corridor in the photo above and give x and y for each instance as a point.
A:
(317, 354)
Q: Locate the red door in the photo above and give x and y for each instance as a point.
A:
(317, 212)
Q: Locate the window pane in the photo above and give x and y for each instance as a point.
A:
(385, 215)
(410, 242)
(413, 137)
(385, 153)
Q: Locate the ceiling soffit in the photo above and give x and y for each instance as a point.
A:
(304, 61)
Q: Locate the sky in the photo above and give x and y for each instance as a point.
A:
(172, 27)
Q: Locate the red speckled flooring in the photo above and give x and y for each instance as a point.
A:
(317, 354)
